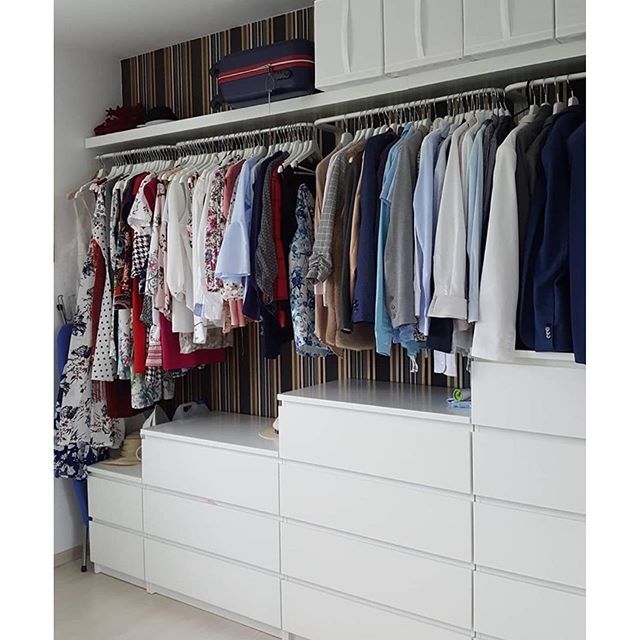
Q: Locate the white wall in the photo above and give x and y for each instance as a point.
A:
(85, 84)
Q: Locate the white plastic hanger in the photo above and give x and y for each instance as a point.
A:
(558, 106)
(533, 105)
(573, 100)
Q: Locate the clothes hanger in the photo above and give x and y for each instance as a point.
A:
(533, 106)
(370, 129)
(558, 105)
(546, 94)
(573, 100)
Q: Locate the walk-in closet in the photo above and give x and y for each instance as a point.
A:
(320, 305)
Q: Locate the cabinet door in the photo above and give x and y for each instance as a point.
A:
(348, 39)
(421, 33)
(570, 19)
(493, 25)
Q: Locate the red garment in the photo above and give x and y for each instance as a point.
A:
(117, 397)
(139, 330)
(229, 182)
(98, 290)
(173, 359)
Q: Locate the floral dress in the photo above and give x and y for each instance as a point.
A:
(302, 296)
(214, 231)
(83, 432)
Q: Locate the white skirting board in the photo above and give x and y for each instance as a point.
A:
(223, 613)
(118, 575)
(68, 555)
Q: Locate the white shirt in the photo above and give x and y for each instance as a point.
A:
(450, 250)
(178, 268)
(495, 330)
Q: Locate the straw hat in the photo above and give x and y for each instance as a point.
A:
(128, 451)
(270, 432)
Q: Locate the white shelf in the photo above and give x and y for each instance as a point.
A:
(382, 397)
(130, 473)
(498, 70)
(236, 431)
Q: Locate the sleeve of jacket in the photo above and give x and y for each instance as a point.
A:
(450, 248)
(551, 295)
(495, 331)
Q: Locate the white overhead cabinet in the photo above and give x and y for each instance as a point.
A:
(421, 33)
(495, 25)
(571, 19)
(349, 41)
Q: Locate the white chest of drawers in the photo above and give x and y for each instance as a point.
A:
(211, 511)
(381, 513)
(115, 527)
(529, 504)
(377, 507)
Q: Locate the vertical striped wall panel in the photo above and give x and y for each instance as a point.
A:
(178, 76)
(247, 383)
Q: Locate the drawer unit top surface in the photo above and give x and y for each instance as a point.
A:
(235, 431)
(381, 397)
(124, 473)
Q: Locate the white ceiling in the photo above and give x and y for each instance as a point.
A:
(124, 28)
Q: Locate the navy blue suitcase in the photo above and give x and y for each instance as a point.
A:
(273, 72)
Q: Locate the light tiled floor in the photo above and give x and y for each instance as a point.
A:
(91, 606)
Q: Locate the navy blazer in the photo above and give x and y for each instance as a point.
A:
(551, 291)
(577, 241)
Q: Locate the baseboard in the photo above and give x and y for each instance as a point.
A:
(68, 555)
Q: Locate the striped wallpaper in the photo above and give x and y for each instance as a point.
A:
(178, 76)
(247, 383)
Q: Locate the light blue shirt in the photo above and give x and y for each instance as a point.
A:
(382, 327)
(234, 262)
(424, 224)
(474, 224)
(384, 331)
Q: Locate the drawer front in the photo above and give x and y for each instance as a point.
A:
(506, 608)
(116, 549)
(422, 451)
(571, 19)
(436, 36)
(304, 614)
(404, 515)
(348, 41)
(537, 398)
(532, 544)
(226, 476)
(397, 579)
(248, 537)
(530, 468)
(238, 589)
(115, 502)
(494, 25)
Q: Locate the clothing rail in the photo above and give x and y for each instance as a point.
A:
(518, 86)
(173, 151)
(492, 92)
(164, 151)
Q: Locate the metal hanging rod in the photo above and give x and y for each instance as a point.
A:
(285, 128)
(156, 152)
(568, 77)
(202, 144)
(487, 91)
